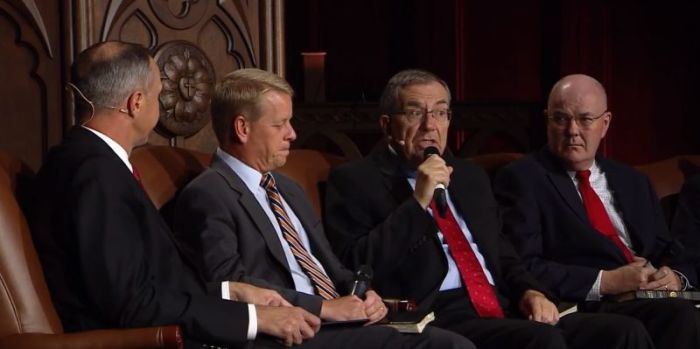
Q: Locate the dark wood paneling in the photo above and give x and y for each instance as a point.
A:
(31, 86)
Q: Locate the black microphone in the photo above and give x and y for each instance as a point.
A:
(439, 195)
(363, 279)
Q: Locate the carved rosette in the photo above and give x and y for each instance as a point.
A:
(187, 77)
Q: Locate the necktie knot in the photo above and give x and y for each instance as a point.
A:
(267, 181)
(583, 175)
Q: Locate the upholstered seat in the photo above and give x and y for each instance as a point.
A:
(166, 170)
(27, 316)
(667, 177)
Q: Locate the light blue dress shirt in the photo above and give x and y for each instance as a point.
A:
(252, 178)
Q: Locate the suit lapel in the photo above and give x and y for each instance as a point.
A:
(564, 185)
(393, 176)
(252, 207)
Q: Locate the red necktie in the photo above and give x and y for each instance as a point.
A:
(137, 176)
(597, 215)
(481, 293)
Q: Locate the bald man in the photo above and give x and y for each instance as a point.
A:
(590, 228)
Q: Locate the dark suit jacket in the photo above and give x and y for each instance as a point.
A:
(225, 231)
(547, 222)
(372, 217)
(108, 257)
(686, 222)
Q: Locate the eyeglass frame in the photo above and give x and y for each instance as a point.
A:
(424, 113)
(577, 120)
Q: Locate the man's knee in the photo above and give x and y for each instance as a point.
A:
(546, 336)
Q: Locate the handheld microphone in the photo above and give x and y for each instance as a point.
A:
(363, 279)
(439, 194)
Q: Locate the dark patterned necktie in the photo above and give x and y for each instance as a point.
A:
(322, 284)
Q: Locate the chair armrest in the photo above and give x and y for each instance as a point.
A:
(150, 337)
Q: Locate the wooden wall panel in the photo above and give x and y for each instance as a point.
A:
(193, 41)
(31, 88)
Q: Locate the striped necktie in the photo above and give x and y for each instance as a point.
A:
(323, 285)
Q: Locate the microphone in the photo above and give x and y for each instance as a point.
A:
(363, 278)
(439, 194)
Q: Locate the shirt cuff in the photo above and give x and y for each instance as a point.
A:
(225, 291)
(594, 293)
(252, 322)
(252, 313)
(685, 283)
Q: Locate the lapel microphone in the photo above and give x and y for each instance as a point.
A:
(439, 194)
(362, 281)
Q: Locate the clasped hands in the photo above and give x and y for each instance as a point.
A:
(292, 325)
(639, 275)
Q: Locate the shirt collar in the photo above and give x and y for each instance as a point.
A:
(121, 152)
(595, 171)
(250, 176)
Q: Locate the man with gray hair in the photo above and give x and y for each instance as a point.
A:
(428, 224)
(590, 228)
(109, 259)
(240, 220)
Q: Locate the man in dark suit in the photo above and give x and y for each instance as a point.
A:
(108, 257)
(240, 221)
(452, 259)
(590, 228)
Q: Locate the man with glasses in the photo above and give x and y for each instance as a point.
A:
(591, 229)
(451, 259)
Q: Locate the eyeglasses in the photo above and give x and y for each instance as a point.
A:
(417, 115)
(562, 120)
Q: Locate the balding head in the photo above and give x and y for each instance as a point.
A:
(578, 118)
(578, 86)
(108, 72)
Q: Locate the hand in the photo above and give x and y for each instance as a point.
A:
(374, 307)
(429, 174)
(663, 279)
(255, 295)
(343, 309)
(629, 277)
(537, 307)
(291, 324)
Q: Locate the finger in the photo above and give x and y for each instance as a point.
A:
(306, 331)
(655, 285)
(312, 320)
(298, 338)
(641, 261)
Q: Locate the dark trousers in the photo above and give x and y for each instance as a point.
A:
(672, 323)
(377, 337)
(454, 312)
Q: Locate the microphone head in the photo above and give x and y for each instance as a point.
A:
(431, 150)
(364, 273)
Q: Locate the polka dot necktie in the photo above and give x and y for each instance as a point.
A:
(481, 293)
